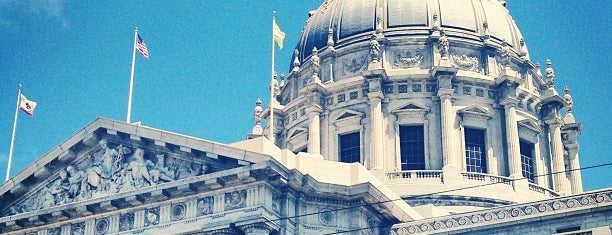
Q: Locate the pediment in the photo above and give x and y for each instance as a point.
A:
(296, 132)
(530, 124)
(411, 106)
(476, 111)
(348, 114)
(109, 158)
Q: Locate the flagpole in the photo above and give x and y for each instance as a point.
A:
(129, 109)
(10, 157)
(271, 121)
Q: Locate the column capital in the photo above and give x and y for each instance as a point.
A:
(446, 94)
(554, 122)
(376, 95)
(509, 102)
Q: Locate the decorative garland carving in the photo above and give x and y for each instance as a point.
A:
(465, 62)
(353, 65)
(407, 60)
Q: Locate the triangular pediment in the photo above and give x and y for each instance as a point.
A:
(348, 114)
(109, 158)
(475, 110)
(296, 132)
(411, 106)
(530, 124)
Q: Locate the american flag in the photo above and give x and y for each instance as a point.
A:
(141, 46)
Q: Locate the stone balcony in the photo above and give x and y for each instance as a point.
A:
(437, 183)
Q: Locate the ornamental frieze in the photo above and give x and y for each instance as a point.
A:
(407, 59)
(109, 170)
(465, 62)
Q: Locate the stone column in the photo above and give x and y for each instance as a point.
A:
(376, 145)
(314, 132)
(446, 111)
(575, 175)
(558, 161)
(512, 138)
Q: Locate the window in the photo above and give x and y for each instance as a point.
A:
(412, 150)
(350, 147)
(527, 160)
(475, 154)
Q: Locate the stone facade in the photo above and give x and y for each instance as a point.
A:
(450, 67)
(117, 178)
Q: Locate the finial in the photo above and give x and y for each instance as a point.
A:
(282, 78)
(296, 60)
(569, 102)
(523, 51)
(330, 38)
(257, 129)
(550, 74)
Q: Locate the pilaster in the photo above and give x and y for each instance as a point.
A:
(512, 138)
(558, 161)
(376, 147)
(314, 129)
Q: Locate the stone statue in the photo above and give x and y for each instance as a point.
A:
(140, 172)
(296, 60)
(160, 171)
(505, 54)
(550, 74)
(59, 188)
(75, 180)
(374, 50)
(443, 45)
(315, 61)
(568, 99)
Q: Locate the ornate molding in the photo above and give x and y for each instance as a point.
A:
(506, 213)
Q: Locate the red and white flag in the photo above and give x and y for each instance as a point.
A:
(26, 105)
(141, 46)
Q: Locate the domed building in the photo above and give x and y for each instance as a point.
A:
(429, 96)
(396, 117)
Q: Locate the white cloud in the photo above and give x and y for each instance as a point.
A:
(52, 9)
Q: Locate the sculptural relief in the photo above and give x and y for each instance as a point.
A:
(407, 60)
(109, 170)
(465, 62)
(353, 65)
(205, 206)
(235, 200)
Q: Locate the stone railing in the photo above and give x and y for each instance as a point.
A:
(418, 174)
(429, 176)
(542, 190)
(486, 178)
(510, 213)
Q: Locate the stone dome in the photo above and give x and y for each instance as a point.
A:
(340, 24)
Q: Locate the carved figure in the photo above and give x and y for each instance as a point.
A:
(505, 54)
(257, 112)
(568, 99)
(315, 61)
(59, 188)
(205, 206)
(140, 172)
(75, 180)
(550, 74)
(160, 171)
(443, 44)
(374, 49)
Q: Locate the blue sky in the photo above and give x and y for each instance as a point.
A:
(210, 61)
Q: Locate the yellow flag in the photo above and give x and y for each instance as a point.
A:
(278, 35)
